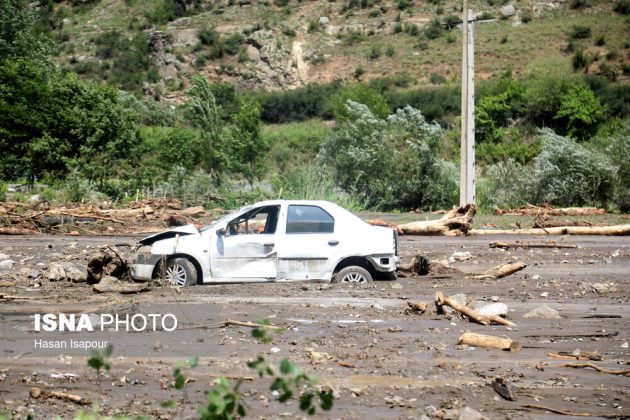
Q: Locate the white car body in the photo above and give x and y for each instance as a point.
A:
(300, 240)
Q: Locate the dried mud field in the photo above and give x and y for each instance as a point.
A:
(380, 360)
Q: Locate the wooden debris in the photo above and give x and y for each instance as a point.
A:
(7, 283)
(489, 341)
(623, 372)
(614, 230)
(543, 224)
(531, 210)
(454, 222)
(471, 313)
(36, 393)
(17, 231)
(519, 244)
(249, 324)
(419, 265)
(500, 271)
(13, 297)
(573, 413)
(231, 377)
(582, 355)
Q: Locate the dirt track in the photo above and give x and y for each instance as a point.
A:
(400, 363)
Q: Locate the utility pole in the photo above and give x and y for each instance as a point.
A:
(467, 152)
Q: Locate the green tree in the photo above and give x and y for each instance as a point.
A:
(18, 37)
(360, 93)
(580, 112)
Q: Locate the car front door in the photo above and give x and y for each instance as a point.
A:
(245, 249)
(308, 244)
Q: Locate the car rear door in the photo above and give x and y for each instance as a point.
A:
(308, 243)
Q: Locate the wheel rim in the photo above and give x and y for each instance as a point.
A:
(353, 277)
(176, 275)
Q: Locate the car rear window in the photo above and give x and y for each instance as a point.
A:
(309, 219)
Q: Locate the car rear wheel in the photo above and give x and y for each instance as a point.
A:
(180, 272)
(354, 274)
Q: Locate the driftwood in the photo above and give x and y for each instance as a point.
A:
(17, 231)
(454, 222)
(471, 313)
(614, 230)
(573, 413)
(228, 322)
(489, 341)
(518, 244)
(531, 210)
(500, 271)
(230, 377)
(417, 306)
(64, 396)
(543, 224)
(623, 372)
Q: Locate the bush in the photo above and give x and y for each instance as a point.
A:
(580, 60)
(567, 174)
(580, 32)
(390, 51)
(375, 53)
(296, 105)
(437, 79)
(622, 7)
(389, 163)
(3, 190)
(363, 94)
(208, 35)
(579, 4)
(433, 30)
(452, 21)
(507, 184)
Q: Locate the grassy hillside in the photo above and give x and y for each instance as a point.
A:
(285, 44)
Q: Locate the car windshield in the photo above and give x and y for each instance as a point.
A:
(226, 218)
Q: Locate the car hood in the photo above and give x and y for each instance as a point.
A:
(171, 233)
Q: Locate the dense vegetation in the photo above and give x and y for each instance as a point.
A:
(553, 137)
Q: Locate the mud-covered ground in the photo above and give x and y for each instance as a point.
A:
(380, 360)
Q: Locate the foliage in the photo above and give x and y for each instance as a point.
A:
(622, 7)
(580, 32)
(19, 39)
(99, 360)
(566, 173)
(614, 141)
(224, 403)
(506, 184)
(580, 111)
(389, 163)
(361, 93)
(434, 29)
(296, 105)
(436, 103)
(3, 190)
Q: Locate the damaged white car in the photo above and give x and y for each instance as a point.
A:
(280, 240)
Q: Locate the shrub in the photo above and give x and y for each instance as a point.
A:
(566, 173)
(3, 190)
(452, 21)
(600, 41)
(389, 163)
(437, 79)
(390, 51)
(433, 30)
(622, 7)
(208, 36)
(506, 184)
(580, 60)
(375, 53)
(233, 42)
(526, 17)
(375, 13)
(359, 72)
(485, 16)
(579, 4)
(361, 93)
(580, 32)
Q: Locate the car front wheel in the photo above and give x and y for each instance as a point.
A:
(180, 272)
(354, 274)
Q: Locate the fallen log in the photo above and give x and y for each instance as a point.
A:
(230, 377)
(518, 244)
(489, 341)
(454, 222)
(500, 271)
(471, 313)
(573, 413)
(194, 211)
(17, 231)
(249, 324)
(544, 224)
(614, 230)
(530, 210)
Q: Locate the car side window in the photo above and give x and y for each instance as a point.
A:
(262, 220)
(309, 219)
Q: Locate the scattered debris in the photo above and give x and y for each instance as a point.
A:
(614, 230)
(419, 265)
(505, 389)
(623, 372)
(577, 355)
(108, 262)
(112, 284)
(572, 413)
(228, 322)
(492, 309)
(489, 341)
(454, 222)
(318, 358)
(417, 307)
(230, 377)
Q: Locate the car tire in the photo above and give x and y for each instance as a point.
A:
(354, 274)
(180, 272)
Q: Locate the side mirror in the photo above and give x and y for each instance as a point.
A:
(221, 232)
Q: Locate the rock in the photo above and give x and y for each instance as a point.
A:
(536, 277)
(495, 298)
(493, 309)
(75, 275)
(430, 410)
(543, 312)
(601, 288)
(508, 11)
(468, 413)
(112, 284)
(624, 345)
(397, 286)
(4, 257)
(6, 264)
(505, 389)
(105, 263)
(184, 21)
(323, 21)
(54, 272)
(460, 256)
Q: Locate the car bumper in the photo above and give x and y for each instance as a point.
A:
(383, 263)
(142, 271)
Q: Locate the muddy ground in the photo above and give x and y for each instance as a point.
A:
(381, 361)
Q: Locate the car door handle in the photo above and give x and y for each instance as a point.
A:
(269, 245)
(333, 243)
